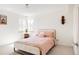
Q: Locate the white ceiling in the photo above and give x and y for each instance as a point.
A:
(32, 9)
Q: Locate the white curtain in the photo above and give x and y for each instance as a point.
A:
(23, 24)
(26, 23)
(30, 24)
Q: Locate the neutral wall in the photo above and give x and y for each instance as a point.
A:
(52, 20)
(64, 33)
(9, 33)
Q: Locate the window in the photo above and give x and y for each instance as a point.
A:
(22, 24)
(30, 24)
(26, 23)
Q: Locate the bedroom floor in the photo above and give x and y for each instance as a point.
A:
(58, 50)
(62, 50)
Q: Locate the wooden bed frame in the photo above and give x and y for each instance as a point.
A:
(32, 53)
(39, 52)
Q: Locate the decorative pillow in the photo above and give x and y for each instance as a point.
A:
(46, 34)
(33, 33)
(40, 34)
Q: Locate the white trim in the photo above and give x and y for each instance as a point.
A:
(75, 27)
(75, 23)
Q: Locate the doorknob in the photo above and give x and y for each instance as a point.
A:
(76, 44)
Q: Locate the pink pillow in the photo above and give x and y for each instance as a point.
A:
(46, 34)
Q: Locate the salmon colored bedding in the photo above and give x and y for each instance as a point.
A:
(43, 43)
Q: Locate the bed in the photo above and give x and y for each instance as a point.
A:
(38, 44)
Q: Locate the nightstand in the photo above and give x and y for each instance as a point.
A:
(26, 35)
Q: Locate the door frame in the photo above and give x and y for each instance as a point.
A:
(75, 28)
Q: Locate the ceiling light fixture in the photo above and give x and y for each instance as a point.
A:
(27, 5)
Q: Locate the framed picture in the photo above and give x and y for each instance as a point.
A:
(3, 19)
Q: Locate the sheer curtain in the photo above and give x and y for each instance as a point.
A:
(23, 24)
(30, 24)
(26, 23)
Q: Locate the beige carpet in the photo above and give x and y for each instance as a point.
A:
(58, 50)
